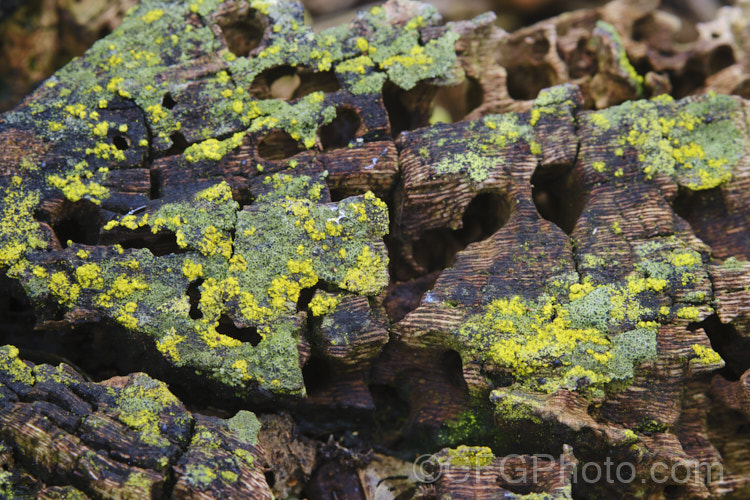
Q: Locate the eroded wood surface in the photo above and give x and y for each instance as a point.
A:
(557, 280)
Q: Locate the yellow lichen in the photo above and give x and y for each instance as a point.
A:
(323, 303)
(706, 355)
(192, 270)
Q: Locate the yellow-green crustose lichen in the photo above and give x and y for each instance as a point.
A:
(80, 108)
(253, 265)
(481, 152)
(696, 141)
(586, 334)
(606, 29)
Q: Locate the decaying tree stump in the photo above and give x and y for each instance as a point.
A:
(322, 286)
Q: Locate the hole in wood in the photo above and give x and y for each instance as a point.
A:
(194, 297)
(162, 243)
(486, 213)
(179, 144)
(168, 101)
(243, 30)
(559, 195)
(317, 374)
(690, 78)
(120, 142)
(270, 478)
(16, 311)
(246, 334)
(278, 82)
(341, 131)
(305, 296)
(719, 58)
(154, 177)
(408, 109)
(526, 80)
(706, 211)
(310, 81)
(292, 82)
(452, 104)
(404, 296)
(733, 348)
(277, 145)
(677, 491)
(453, 367)
(391, 411)
(74, 221)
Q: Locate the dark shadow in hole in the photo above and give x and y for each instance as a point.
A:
(305, 296)
(75, 221)
(317, 375)
(453, 367)
(707, 213)
(460, 100)
(167, 101)
(16, 312)
(154, 191)
(485, 214)
(292, 82)
(194, 297)
(324, 81)
(120, 142)
(526, 80)
(340, 194)
(161, 243)
(341, 131)
(408, 109)
(719, 58)
(499, 378)
(392, 412)
(559, 195)
(179, 144)
(247, 334)
(276, 82)
(404, 296)
(270, 478)
(243, 30)
(690, 78)
(277, 145)
(581, 61)
(674, 491)
(733, 348)
(100, 350)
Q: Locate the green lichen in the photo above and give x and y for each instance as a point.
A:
(469, 456)
(551, 101)
(199, 475)
(734, 264)
(140, 405)
(393, 50)
(245, 426)
(696, 141)
(555, 342)
(650, 425)
(254, 265)
(476, 167)
(605, 29)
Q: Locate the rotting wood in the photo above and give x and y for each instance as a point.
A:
(557, 283)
